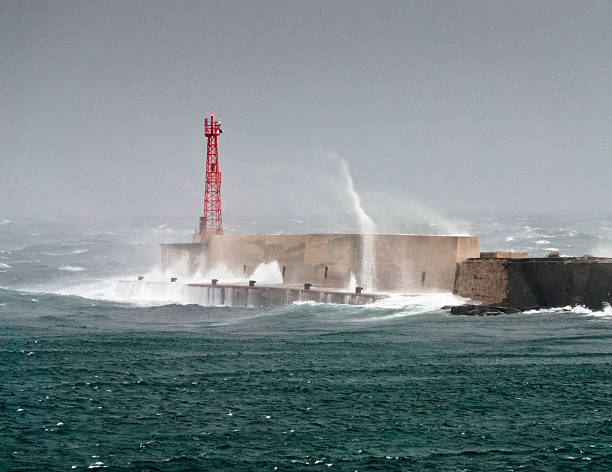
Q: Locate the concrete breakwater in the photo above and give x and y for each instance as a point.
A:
(236, 295)
(533, 283)
(404, 262)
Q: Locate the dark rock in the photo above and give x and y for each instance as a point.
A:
(482, 310)
(536, 283)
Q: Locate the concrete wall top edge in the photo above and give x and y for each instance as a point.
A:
(320, 235)
(552, 260)
(329, 234)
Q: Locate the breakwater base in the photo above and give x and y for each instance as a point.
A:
(238, 295)
(329, 267)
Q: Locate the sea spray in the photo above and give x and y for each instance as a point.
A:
(604, 245)
(179, 267)
(394, 206)
(267, 273)
(367, 228)
(352, 282)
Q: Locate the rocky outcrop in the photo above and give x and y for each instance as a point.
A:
(536, 282)
(481, 310)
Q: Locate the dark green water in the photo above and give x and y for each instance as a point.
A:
(96, 384)
(86, 383)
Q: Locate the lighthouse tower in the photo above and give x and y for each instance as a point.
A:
(211, 222)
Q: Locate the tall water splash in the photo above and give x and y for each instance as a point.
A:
(367, 228)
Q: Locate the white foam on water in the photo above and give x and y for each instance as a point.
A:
(410, 305)
(69, 268)
(69, 253)
(307, 302)
(156, 288)
(144, 293)
(5, 266)
(605, 312)
(428, 301)
(397, 306)
(97, 465)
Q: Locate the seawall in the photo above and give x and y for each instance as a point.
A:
(401, 262)
(236, 295)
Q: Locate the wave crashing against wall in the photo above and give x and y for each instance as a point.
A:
(367, 227)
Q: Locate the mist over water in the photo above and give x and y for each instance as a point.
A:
(53, 255)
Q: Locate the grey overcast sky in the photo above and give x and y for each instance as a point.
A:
(461, 105)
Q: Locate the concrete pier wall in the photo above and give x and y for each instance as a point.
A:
(537, 282)
(402, 261)
(235, 295)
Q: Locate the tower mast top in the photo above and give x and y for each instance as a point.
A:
(211, 222)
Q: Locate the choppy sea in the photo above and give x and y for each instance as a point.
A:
(92, 380)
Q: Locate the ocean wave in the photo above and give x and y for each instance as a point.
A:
(69, 268)
(69, 253)
(427, 300)
(158, 292)
(399, 306)
(5, 266)
(605, 312)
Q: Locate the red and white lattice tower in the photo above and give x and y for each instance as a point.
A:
(211, 222)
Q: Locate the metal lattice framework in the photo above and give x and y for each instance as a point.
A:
(211, 222)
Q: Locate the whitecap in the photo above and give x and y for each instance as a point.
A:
(69, 253)
(429, 301)
(605, 312)
(97, 465)
(5, 266)
(69, 268)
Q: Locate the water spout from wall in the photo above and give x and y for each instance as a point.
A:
(367, 228)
